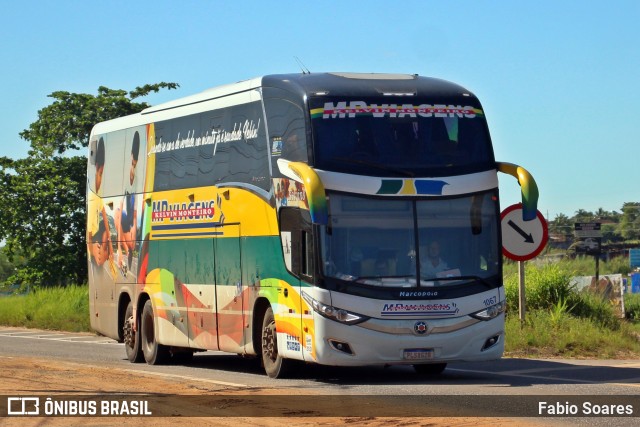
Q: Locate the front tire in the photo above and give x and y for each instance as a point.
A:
(154, 353)
(131, 336)
(274, 364)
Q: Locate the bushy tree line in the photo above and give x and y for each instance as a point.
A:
(42, 197)
(616, 226)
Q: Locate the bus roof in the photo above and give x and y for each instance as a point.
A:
(364, 84)
(302, 84)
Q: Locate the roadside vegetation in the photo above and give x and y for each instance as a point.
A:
(561, 321)
(61, 309)
(43, 196)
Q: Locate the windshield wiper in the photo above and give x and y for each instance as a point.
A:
(467, 277)
(363, 279)
(375, 165)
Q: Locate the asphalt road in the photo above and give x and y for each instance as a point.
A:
(508, 387)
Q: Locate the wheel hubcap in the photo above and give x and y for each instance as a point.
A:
(129, 336)
(269, 346)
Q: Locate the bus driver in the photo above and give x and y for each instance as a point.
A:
(432, 264)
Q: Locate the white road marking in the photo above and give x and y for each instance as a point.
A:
(632, 381)
(186, 377)
(84, 339)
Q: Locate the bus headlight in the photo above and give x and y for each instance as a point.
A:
(490, 312)
(334, 313)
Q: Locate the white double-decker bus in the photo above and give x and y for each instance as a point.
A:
(339, 219)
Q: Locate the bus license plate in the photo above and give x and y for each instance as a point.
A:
(418, 354)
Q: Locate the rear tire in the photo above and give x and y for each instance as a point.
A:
(154, 353)
(274, 364)
(430, 368)
(131, 336)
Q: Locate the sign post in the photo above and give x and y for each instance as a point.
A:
(589, 237)
(522, 240)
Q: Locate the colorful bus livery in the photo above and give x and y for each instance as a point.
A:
(339, 219)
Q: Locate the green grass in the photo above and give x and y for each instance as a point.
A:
(545, 334)
(632, 306)
(562, 322)
(64, 309)
(579, 266)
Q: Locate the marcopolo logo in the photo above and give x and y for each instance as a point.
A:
(420, 328)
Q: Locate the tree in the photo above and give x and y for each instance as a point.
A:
(42, 197)
(610, 233)
(561, 226)
(7, 268)
(630, 221)
(583, 216)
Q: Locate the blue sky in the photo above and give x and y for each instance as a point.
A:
(559, 80)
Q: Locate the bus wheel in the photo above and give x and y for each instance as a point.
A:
(274, 365)
(154, 353)
(430, 368)
(131, 336)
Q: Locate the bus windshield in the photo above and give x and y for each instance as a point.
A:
(385, 138)
(383, 242)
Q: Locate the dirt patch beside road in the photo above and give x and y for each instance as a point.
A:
(181, 400)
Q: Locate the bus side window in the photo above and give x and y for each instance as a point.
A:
(297, 242)
(306, 263)
(286, 123)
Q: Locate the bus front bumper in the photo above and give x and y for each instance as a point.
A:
(408, 341)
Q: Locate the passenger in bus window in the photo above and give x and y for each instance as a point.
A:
(126, 214)
(432, 264)
(98, 226)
